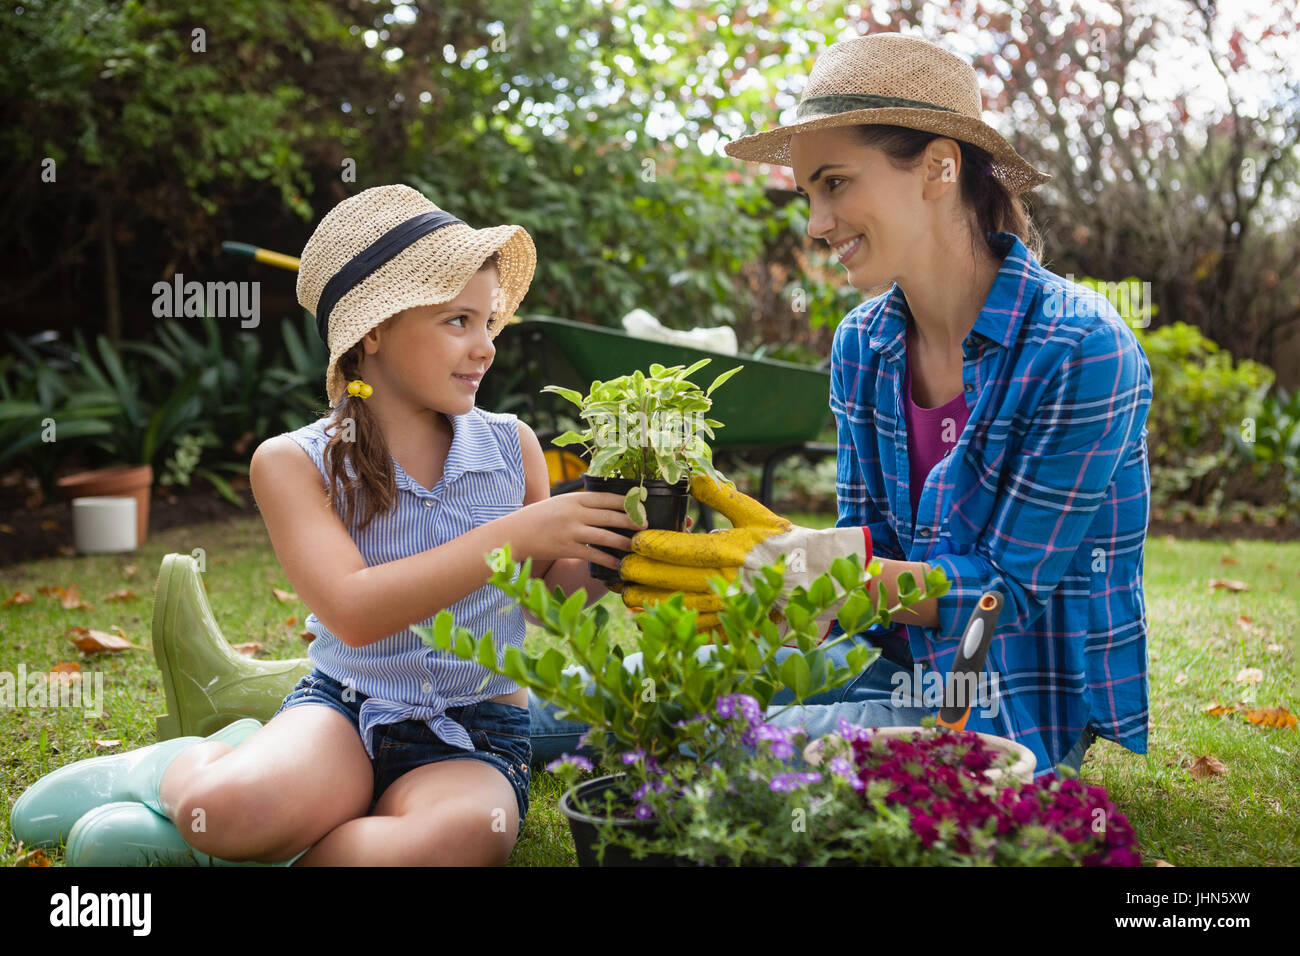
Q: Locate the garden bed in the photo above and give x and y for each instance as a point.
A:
(43, 529)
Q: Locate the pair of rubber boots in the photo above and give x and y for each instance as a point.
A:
(107, 807)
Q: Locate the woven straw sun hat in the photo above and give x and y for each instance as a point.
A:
(389, 248)
(897, 80)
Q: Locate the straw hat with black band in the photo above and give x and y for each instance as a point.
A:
(389, 248)
(895, 80)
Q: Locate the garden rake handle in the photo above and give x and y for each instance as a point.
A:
(261, 255)
(970, 660)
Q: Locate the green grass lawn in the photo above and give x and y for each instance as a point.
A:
(1200, 640)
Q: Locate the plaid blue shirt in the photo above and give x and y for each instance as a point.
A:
(1045, 499)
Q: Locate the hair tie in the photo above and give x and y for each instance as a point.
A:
(359, 388)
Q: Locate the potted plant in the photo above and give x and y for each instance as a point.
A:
(663, 715)
(137, 431)
(927, 796)
(645, 438)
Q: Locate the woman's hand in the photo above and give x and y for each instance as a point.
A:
(566, 526)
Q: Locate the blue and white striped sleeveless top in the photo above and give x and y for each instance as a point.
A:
(402, 677)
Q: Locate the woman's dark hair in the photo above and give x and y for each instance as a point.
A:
(996, 210)
(374, 489)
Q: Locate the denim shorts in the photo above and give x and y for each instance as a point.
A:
(499, 732)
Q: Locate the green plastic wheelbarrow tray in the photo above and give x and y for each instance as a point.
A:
(769, 404)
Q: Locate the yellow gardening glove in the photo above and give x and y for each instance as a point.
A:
(662, 562)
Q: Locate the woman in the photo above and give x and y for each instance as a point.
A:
(990, 415)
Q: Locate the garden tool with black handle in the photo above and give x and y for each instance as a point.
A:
(966, 670)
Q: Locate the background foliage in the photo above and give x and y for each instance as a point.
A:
(598, 126)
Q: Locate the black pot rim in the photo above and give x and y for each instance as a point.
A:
(569, 807)
(681, 487)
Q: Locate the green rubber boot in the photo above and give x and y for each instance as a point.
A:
(130, 834)
(206, 682)
(47, 810)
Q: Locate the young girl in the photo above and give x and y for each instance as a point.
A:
(388, 752)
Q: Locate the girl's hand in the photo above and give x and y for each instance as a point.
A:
(565, 526)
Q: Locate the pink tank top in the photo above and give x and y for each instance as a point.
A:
(931, 433)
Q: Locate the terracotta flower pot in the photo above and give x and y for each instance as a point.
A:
(126, 480)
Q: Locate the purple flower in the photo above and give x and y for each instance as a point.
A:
(633, 757)
(750, 707)
(725, 708)
(841, 767)
(643, 812)
(789, 782)
(582, 763)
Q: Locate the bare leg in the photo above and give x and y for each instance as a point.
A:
(286, 786)
(451, 813)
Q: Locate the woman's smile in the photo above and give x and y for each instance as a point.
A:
(848, 248)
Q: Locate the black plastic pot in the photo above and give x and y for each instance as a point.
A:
(665, 510)
(584, 808)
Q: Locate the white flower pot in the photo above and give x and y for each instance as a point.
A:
(1021, 758)
(104, 524)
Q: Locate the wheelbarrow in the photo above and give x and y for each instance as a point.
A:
(773, 408)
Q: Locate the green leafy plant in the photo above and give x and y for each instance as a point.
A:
(643, 427)
(1275, 440)
(663, 710)
(1199, 399)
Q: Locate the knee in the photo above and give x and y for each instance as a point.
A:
(219, 815)
(476, 837)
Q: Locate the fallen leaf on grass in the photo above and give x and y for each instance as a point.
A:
(1203, 767)
(1218, 710)
(69, 597)
(307, 636)
(285, 597)
(249, 649)
(1247, 625)
(66, 671)
(124, 594)
(1272, 717)
(72, 600)
(1163, 863)
(67, 551)
(35, 857)
(1249, 675)
(18, 597)
(1227, 584)
(129, 571)
(1228, 559)
(1180, 679)
(106, 744)
(90, 641)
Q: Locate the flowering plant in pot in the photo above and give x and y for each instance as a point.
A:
(658, 710)
(645, 438)
(909, 799)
